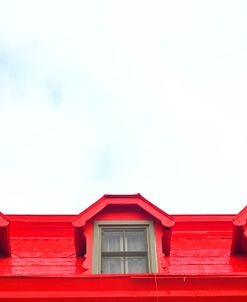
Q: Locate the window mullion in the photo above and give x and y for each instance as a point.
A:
(124, 250)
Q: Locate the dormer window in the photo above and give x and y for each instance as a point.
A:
(5, 250)
(239, 236)
(124, 247)
(119, 234)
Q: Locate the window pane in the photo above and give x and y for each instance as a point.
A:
(136, 264)
(135, 241)
(112, 265)
(112, 241)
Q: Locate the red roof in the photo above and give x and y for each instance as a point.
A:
(43, 245)
(200, 262)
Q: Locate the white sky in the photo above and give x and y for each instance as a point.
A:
(123, 97)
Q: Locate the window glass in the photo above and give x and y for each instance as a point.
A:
(136, 265)
(135, 240)
(112, 265)
(112, 241)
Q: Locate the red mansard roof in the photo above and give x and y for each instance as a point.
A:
(43, 262)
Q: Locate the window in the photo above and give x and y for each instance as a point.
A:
(124, 247)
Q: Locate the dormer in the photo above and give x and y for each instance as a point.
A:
(5, 250)
(123, 234)
(239, 236)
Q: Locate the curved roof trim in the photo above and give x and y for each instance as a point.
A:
(3, 221)
(133, 199)
(241, 218)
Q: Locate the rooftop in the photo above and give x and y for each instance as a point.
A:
(43, 245)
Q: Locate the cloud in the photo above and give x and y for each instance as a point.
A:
(122, 97)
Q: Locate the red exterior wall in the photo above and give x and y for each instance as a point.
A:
(125, 288)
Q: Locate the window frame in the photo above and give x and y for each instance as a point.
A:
(124, 224)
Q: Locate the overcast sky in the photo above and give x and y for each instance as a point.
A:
(123, 97)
